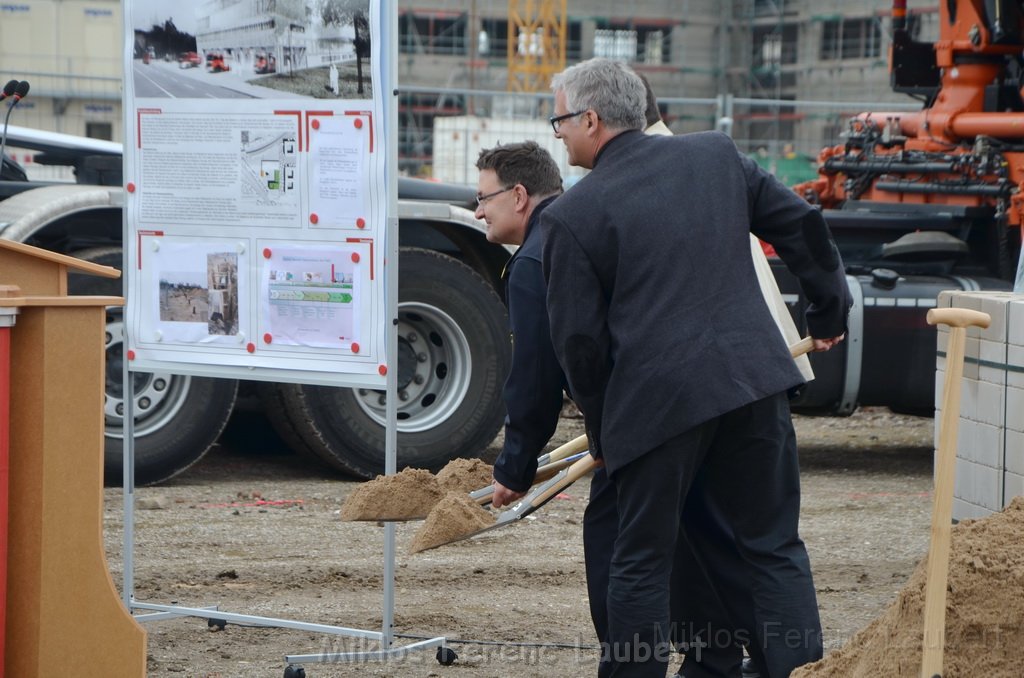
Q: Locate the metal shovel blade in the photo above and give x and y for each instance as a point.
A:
(541, 495)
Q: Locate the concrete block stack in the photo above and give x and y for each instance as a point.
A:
(990, 440)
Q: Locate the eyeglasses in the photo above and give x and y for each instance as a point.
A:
(556, 120)
(481, 199)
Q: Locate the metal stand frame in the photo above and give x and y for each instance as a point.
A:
(385, 636)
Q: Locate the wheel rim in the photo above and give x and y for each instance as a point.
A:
(157, 396)
(434, 368)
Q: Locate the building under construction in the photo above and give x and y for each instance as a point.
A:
(825, 51)
(773, 51)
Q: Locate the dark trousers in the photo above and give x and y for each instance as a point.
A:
(699, 625)
(726, 493)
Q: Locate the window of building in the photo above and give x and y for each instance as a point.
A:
(432, 34)
(492, 41)
(99, 130)
(574, 41)
(615, 44)
(774, 8)
(643, 44)
(774, 46)
(496, 31)
(851, 39)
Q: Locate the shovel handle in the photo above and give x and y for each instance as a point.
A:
(958, 317)
(580, 468)
(545, 472)
(803, 346)
(570, 448)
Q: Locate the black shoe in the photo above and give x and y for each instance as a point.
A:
(748, 669)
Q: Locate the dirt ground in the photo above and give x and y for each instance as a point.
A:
(256, 531)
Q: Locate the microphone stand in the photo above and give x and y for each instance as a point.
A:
(3, 138)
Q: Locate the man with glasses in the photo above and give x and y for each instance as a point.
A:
(680, 371)
(516, 183)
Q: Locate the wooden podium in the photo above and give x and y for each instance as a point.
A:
(63, 615)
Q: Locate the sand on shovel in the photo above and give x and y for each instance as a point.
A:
(465, 475)
(455, 516)
(984, 612)
(407, 495)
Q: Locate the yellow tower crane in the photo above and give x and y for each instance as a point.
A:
(536, 43)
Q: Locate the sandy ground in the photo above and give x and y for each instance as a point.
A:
(255, 531)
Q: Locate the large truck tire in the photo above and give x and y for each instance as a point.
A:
(177, 418)
(453, 356)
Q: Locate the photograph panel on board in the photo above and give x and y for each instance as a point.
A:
(231, 49)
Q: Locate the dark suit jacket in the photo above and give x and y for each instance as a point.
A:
(656, 314)
(533, 389)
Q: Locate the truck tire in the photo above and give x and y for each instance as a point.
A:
(177, 418)
(453, 355)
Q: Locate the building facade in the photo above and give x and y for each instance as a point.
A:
(692, 51)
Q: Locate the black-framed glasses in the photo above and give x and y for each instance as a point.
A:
(556, 120)
(481, 199)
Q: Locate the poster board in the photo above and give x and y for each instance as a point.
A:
(257, 204)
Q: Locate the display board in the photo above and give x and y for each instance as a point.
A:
(256, 200)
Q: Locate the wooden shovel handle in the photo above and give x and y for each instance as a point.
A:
(580, 468)
(937, 569)
(958, 317)
(551, 469)
(568, 449)
(803, 346)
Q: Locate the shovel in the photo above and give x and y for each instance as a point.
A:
(547, 466)
(933, 642)
(542, 494)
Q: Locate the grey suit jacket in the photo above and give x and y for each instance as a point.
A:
(656, 314)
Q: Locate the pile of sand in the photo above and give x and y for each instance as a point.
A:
(407, 495)
(454, 517)
(984, 612)
(465, 475)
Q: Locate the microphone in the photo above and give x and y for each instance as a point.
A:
(9, 89)
(19, 91)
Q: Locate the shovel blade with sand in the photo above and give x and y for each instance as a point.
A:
(456, 518)
(413, 493)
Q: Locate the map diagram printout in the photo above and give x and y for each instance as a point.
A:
(311, 296)
(223, 170)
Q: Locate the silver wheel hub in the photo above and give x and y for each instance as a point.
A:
(434, 368)
(157, 397)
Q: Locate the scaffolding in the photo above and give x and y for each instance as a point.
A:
(536, 43)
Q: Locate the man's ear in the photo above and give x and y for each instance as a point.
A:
(522, 197)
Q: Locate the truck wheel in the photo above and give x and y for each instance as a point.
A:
(453, 355)
(177, 418)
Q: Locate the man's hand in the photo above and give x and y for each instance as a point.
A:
(826, 344)
(504, 496)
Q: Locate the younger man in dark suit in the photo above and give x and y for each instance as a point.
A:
(677, 365)
(516, 183)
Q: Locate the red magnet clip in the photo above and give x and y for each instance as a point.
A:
(382, 370)
(267, 338)
(355, 347)
(130, 187)
(358, 123)
(313, 218)
(315, 124)
(267, 253)
(250, 347)
(355, 257)
(360, 223)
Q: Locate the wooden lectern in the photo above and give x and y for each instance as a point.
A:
(63, 615)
